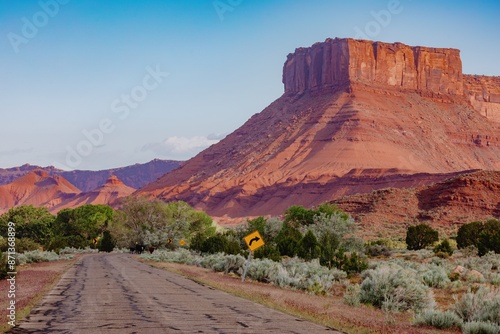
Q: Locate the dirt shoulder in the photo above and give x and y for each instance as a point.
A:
(33, 281)
(325, 310)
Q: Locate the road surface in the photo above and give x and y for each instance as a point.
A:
(114, 293)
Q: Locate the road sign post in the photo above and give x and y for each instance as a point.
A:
(253, 241)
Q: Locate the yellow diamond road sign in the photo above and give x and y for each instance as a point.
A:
(254, 240)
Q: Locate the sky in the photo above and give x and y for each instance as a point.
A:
(89, 84)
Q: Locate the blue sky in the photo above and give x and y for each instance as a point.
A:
(102, 84)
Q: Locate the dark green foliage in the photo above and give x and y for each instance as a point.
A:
(420, 236)
(76, 241)
(215, 244)
(3, 265)
(197, 242)
(80, 225)
(468, 234)
(107, 243)
(350, 263)
(257, 224)
(489, 239)
(31, 222)
(309, 248)
(220, 243)
(268, 251)
(484, 236)
(443, 247)
(299, 215)
(329, 244)
(289, 240)
(22, 245)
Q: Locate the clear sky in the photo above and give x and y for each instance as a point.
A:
(94, 84)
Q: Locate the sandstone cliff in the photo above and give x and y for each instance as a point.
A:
(339, 63)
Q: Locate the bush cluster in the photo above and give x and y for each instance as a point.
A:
(394, 288)
(485, 236)
(293, 273)
(475, 312)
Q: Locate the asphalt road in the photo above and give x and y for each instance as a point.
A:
(114, 293)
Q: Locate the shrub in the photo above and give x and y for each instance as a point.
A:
(268, 251)
(378, 248)
(3, 265)
(394, 288)
(438, 319)
(215, 244)
(435, 276)
(478, 327)
(483, 305)
(351, 295)
(489, 239)
(443, 247)
(350, 263)
(468, 234)
(420, 236)
(22, 245)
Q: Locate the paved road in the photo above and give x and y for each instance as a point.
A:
(114, 293)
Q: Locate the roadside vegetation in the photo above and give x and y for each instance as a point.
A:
(444, 282)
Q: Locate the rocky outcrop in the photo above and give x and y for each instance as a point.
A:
(337, 62)
(484, 94)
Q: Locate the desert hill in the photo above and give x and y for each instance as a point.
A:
(463, 198)
(355, 116)
(37, 188)
(134, 176)
(54, 192)
(108, 193)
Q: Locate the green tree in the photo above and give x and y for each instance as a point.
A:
(310, 248)
(468, 234)
(31, 222)
(77, 227)
(299, 216)
(289, 240)
(217, 243)
(107, 243)
(489, 239)
(420, 236)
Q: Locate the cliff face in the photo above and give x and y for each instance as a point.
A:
(337, 62)
(484, 95)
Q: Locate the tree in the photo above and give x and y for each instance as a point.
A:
(489, 239)
(215, 244)
(468, 234)
(31, 222)
(107, 243)
(155, 222)
(77, 227)
(288, 240)
(420, 236)
(299, 215)
(309, 248)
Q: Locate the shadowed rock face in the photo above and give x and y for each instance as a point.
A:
(355, 116)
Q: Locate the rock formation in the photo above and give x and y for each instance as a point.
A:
(355, 116)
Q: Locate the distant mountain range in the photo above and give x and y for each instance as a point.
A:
(134, 176)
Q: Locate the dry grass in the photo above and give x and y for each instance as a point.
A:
(33, 281)
(325, 310)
